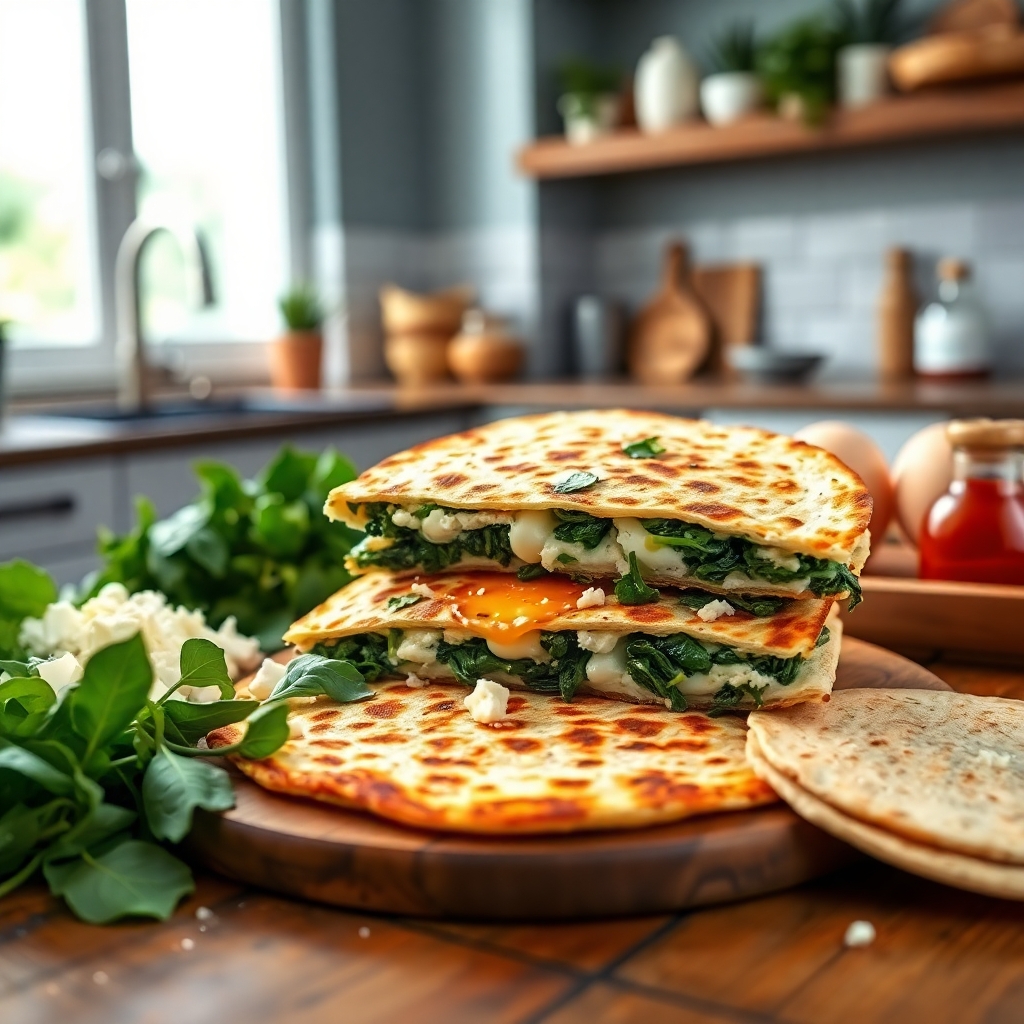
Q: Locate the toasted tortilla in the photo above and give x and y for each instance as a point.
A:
(416, 756)
(935, 768)
(1005, 881)
(362, 606)
(740, 481)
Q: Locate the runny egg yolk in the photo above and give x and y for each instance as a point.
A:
(501, 606)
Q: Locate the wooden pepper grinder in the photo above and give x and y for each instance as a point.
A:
(896, 310)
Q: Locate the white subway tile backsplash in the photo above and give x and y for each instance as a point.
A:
(844, 235)
(767, 238)
(999, 227)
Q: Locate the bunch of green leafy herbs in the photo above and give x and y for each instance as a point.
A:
(411, 550)
(95, 780)
(260, 550)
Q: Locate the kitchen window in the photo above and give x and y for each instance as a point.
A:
(170, 110)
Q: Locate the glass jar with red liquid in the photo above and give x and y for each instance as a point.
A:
(975, 532)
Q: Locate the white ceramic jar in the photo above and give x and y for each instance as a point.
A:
(951, 337)
(666, 86)
(862, 72)
(730, 95)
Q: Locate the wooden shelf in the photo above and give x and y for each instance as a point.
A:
(933, 114)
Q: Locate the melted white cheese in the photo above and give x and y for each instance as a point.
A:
(418, 646)
(783, 559)
(528, 533)
(634, 539)
(714, 610)
(604, 560)
(526, 646)
(740, 580)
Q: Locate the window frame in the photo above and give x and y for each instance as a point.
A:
(56, 368)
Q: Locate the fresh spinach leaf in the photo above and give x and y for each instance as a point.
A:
(173, 787)
(134, 878)
(405, 601)
(580, 480)
(531, 572)
(581, 528)
(203, 664)
(266, 731)
(194, 721)
(632, 589)
(648, 448)
(311, 675)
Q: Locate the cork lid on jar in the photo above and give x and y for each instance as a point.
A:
(985, 433)
(951, 269)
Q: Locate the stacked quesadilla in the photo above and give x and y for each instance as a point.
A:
(666, 563)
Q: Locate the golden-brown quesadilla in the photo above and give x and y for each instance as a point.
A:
(557, 635)
(636, 496)
(416, 756)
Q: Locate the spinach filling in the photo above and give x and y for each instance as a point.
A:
(708, 556)
(411, 550)
(657, 663)
(711, 557)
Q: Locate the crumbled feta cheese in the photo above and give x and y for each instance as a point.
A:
(204, 914)
(860, 933)
(414, 682)
(270, 674)
(592, 597)
(296, 727)
(488, 702)
(520, 620)
(418, 646)
(422, 590)
(598, 643)
(994, 758)
(544, 600)
(60, 672)
(114, 615)
(402, 518)
(715, 610)
(783, 559)
(483, 590)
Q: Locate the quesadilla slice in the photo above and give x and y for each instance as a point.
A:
(557, 636)
(416, 756)
(617, 494)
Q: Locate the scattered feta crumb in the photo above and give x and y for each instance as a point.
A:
(502, 625)
(715, 610)
(60, 672)
(114, 615)
(993, 758)
(481, 592)
(270, 674)
(592, 597)
(414, 682)
(423, 590)
(296, 727)
(488, 702)
(364, 932)
(520, 620)
(543, 600)
(598, 643)
(860, 933)
(188, 945)
(204, 914)
(100, 977)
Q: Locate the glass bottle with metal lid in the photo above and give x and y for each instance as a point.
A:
(975, 532)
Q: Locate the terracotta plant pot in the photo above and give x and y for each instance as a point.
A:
(295, 361)
(417, 359)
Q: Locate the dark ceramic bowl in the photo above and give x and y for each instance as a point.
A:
(767, 365)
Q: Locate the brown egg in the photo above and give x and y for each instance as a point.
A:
(921, 473)
(854, 448)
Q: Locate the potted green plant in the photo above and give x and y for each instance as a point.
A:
(296, 356)
(868, 28)
(590, 103)
(734, 88)
(799, 69)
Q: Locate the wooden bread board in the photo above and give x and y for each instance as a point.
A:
(351, 859)
(976, 620)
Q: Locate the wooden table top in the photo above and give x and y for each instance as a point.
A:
(940, 955)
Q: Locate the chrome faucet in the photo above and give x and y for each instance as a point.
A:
(130, 351)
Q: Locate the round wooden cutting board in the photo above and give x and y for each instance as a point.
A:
(350, 859)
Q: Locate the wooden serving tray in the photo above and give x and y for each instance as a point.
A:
(973, 620)
(350, 859)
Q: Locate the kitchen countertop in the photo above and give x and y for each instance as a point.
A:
(30, 435)
(940, 955)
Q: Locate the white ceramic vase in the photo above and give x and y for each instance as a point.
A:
(589, 117)
(730, 95)
(862, 72)
(666, 86)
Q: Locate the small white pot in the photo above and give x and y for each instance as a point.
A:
(730, 95)
(589, 117)
(666, 86)
(862, 72)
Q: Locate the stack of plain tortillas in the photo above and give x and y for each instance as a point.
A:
(929, 781)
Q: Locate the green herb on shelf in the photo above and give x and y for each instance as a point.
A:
(735, 49)
(301, 308)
